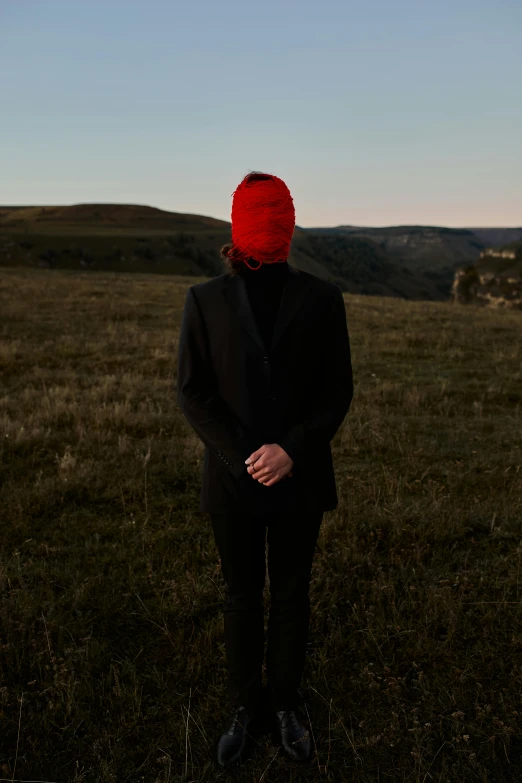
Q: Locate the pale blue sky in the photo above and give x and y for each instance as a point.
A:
(375, 112)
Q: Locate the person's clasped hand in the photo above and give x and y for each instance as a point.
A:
(269, 464)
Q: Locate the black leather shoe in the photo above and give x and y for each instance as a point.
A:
(295, 737)
(232, 742)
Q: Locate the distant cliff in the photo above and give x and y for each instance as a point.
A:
(435, 248)
(495, 280)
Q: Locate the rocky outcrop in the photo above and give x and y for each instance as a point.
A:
(493, 252)
(495, 281)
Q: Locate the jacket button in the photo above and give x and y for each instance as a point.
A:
(265, 359)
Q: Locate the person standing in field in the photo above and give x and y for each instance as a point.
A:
(264, 377)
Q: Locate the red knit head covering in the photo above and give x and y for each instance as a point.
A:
(263, 220)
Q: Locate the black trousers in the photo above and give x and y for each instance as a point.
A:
(241, 541)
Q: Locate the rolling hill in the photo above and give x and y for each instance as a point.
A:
(412, 262)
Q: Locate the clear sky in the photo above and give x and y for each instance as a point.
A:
(374, 112)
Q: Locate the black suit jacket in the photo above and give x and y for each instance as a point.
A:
(238, 393)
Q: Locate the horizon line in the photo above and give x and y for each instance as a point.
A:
(198, 214)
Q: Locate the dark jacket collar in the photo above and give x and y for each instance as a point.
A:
(294, 295)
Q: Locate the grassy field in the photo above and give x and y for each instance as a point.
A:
(112, 660)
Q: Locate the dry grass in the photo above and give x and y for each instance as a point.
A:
(111, 651)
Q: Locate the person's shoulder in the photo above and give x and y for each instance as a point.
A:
(325, 287)
(208, 288)
(209, 285)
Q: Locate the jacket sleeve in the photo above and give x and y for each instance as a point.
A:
(328, 411)
(215, 424)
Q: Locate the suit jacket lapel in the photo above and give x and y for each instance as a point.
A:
(292, 299)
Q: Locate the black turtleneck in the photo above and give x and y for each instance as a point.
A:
(264, 288)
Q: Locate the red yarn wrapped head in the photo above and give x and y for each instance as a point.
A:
(263, 220)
